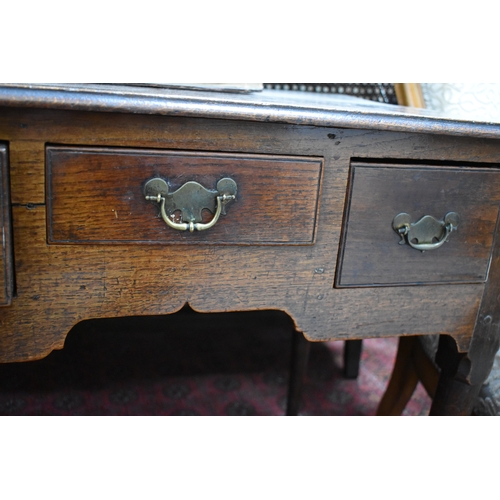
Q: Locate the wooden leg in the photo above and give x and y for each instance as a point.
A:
(462, 374)
(298, 368)
(352, 358)
(427, 371)
(454, 396)
(403, 380)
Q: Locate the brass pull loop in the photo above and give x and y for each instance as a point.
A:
(421, 235)
(190, 199)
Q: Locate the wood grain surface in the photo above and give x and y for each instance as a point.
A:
(4, 298)
(58, 285)
(372, 254)
(6, 264)
(294, 108)
(97, 196)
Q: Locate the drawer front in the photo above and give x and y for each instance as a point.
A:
(6, 267)
(373, 253)
(98, 196)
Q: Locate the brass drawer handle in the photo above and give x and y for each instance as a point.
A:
(190, 199)
(420, 235)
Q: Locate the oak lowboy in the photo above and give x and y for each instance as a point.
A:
(358, 220)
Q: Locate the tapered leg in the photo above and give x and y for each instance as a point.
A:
(352, 358)
(403, 380)
(298, 368)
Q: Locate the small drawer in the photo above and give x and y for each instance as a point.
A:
(97, 196)
(375, 252)
(6, 266)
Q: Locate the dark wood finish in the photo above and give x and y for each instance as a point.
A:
(97, 196)
(408, 94)
(266, 106)
(456, 386)
(6, 264)
(462, 374)
(121, 281)
(372, 254)
(298, 367)
(59, 284)
(352, 358)
(454, 396)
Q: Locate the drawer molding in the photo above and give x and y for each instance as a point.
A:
(369, 252)
(96, 196)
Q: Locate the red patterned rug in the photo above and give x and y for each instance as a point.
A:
(194, 364)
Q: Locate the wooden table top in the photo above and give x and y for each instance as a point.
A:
(293, 107)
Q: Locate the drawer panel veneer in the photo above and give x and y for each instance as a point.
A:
(96, 195)
(371, 253)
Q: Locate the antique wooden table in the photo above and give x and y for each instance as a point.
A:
(357, 219)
